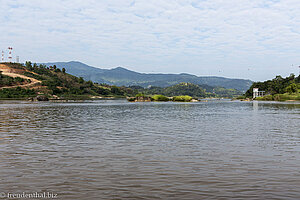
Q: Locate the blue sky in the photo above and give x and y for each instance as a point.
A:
(253, 39)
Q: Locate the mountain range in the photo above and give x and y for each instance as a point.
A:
(120, 76)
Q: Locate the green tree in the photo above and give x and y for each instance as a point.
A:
(292, 88)
(28, 65)
(116, 90)
(64, 70)
(81, 80)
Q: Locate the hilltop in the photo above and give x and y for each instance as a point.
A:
(123, 77)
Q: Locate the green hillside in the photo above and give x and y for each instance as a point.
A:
(54, 83)
(278, 89)
(189, 89)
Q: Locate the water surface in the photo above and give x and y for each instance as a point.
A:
(121, 150)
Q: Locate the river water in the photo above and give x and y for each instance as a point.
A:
(120, 150)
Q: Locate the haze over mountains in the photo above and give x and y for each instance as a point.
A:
(123, 77)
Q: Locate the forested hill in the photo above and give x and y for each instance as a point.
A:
(279, 85)
(29, 80)
(189, 89)
(123, 77)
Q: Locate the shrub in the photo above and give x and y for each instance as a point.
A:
(160, 98)
(139, 95)
(182, 98)
(285, 97)
(17, 92)
(268, 98)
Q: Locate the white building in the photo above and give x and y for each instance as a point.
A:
(257, 93)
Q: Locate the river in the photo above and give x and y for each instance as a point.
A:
(113, 149)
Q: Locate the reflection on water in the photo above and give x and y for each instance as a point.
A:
(117, 150)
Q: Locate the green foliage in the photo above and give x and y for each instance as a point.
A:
(279, 97)
(292, 88)
(240, 97)
(160, 98)
(188, 89)
(182, 98)
(116, 90)
(185, 89)
(28, 65)
(223, 92)
(38, 77)
(102, 90)
(140, 95)
(80, 80)
(265, 98)
(10, 81)
(286, 97)
(278, 85)
(17, 92)
(60, 83)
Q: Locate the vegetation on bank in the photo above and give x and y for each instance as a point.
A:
(160, 97)
(185, 98)
(277, 89)
(18, 92)
(280, 97)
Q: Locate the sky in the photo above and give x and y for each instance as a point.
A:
(251, 39)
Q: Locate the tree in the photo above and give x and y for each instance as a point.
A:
(81, 80)
(54, 67)
(28, 64)
(292, 88)
(64, 70)
(115, 90)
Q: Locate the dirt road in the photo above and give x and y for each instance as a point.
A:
(15, 73)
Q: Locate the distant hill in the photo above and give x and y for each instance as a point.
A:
(190, 89)
(123, 77)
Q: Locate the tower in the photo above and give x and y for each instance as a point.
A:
(17, 59)
(9, 53)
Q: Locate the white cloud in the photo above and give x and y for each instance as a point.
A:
(250, 39)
